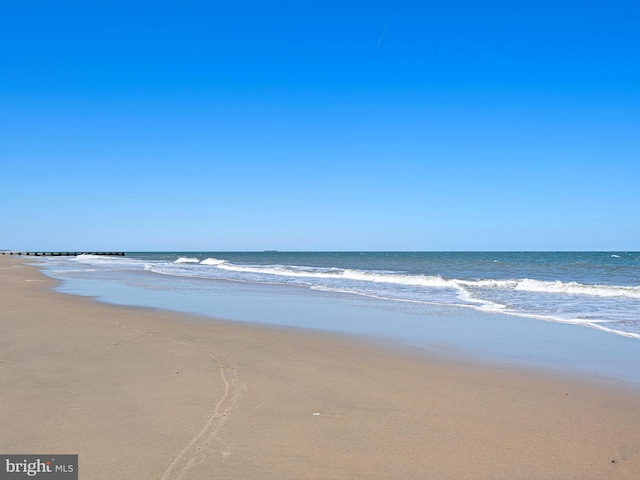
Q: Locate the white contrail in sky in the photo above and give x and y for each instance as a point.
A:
(383, 32)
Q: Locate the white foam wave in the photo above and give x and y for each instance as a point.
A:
(187, 260)
(596, 324)
(431, 281)
(212, 261)
(574, 288)
(90, 258)
(499, 308)
(105, 261)
(324, 288)
(337, 273)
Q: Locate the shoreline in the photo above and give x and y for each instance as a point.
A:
(484, 336)
(253, 401)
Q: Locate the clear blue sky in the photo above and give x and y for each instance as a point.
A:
(234, 125)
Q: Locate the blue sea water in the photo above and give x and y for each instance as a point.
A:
(487, 304)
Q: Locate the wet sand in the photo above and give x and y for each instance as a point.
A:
(147, 394)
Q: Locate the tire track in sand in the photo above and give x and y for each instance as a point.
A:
(206, 440)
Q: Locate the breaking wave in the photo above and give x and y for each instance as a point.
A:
(212, 261)
(399, 278)
(187, 260)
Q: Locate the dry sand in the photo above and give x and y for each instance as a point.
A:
(146, 394)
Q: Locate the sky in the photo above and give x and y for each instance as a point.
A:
(319, 125)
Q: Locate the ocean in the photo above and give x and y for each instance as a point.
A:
(496, 304)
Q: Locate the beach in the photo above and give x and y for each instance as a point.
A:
(141, 393)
